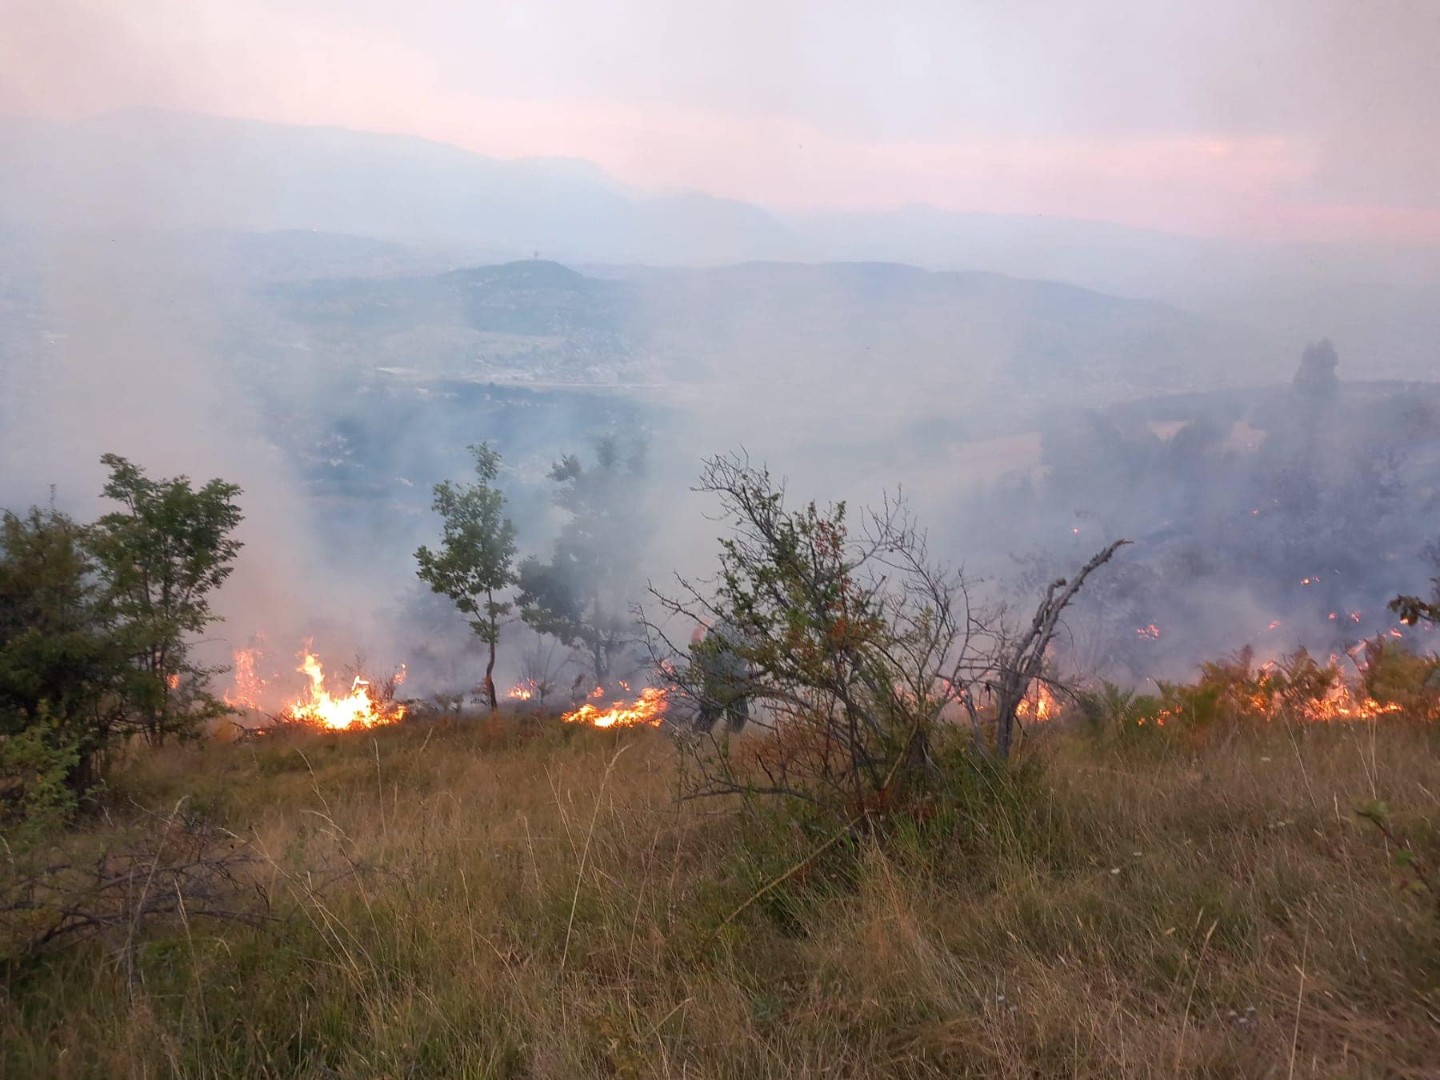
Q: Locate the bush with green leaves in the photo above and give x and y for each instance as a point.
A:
(36, 764)
(65, 669)
(97, 624)
(1394, 674)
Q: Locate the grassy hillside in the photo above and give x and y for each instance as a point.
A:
(522, 900)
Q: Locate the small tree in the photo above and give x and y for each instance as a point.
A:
(849, 642)
(581, 596)
(1018, 659)
(475, 561)
(161, 556)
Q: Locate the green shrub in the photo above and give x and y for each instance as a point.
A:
(36, 765)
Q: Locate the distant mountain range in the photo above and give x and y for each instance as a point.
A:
(150, 168)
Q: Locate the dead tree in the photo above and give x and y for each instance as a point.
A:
(1018, 665)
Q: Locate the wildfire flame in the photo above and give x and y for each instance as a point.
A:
(1343, 702)
(249, 686)
(361, 707)
(1038, 705)
(648, 709)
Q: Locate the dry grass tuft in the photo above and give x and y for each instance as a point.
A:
(531, 901)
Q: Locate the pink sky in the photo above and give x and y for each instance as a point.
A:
(1297, 123)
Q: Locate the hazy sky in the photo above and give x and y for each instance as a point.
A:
(1283, 118)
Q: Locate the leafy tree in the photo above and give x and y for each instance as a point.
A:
(161, 556)
(581, 596)
(476, 555)
(95, 626)
(62, 668)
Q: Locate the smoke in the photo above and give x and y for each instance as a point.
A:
(125, 365)
(117, 346)
(1275, 517)
(173, 289)
(988, 401)
(991, 402)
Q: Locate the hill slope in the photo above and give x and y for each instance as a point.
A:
(151, 168)
(771, 326)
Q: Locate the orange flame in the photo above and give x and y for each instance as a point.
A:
(1340, 702)
(361, 707)
(249, 686)
(647, 710)
(1038, 705)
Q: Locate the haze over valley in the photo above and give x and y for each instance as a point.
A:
(360, 307)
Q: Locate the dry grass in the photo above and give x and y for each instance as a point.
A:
(473, 902)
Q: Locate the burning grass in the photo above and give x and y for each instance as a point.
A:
(647, 709)
(1380, 680)
(529, 900)
(365, 704)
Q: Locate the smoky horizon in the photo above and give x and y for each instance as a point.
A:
(1061, 274)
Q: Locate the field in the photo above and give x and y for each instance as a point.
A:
(517, 899)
